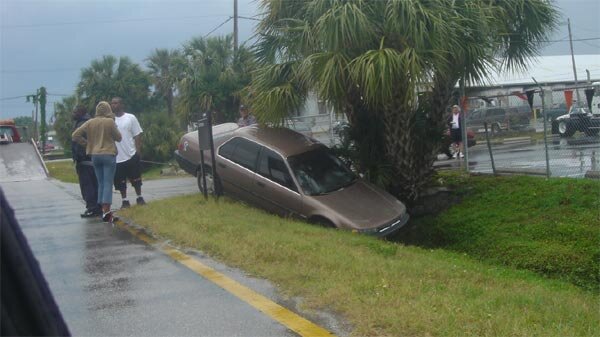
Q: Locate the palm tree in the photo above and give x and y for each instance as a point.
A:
(212, 77)
(163, 65)
(109, 77)
(393, 63)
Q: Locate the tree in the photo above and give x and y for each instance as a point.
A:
(63, 124)
(163, 66)
(392, 63)
(211, 77)
(109, 77)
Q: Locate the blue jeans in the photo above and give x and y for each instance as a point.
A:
(104, 166)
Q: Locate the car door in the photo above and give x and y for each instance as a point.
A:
(275, 189)
(235, 167)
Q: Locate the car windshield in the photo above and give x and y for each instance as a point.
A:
(320, 172)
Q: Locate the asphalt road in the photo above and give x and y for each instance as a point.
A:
(108, 282)
(568, 157)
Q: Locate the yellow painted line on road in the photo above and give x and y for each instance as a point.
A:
(291, 320)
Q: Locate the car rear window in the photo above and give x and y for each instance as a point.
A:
(226, 150)
(272, 167)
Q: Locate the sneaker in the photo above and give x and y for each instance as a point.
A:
(462, 155)
(140, 201)
(107, 217)
(91, 213)
(454, 155)
(125, 204)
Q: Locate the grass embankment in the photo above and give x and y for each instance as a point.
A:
(382, 288)
(65, 171)
(550, 226)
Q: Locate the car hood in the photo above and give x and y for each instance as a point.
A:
(362, 205)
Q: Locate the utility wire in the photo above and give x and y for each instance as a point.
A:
(15, 97)
(105, 21)
(38, 70)
(219, 26)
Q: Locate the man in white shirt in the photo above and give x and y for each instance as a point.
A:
(128, 155)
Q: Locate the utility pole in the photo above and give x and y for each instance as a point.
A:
(573, 59)
(235, 27)
(42, 100)
(34, 99)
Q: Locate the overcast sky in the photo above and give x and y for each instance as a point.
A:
(47, 43)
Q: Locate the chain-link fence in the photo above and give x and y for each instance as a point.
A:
(549, 133)
(323, 127)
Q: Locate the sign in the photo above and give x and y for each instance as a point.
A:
(204, 133)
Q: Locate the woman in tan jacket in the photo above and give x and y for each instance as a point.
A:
(101, 133)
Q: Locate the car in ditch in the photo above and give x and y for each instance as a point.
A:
(290, 174)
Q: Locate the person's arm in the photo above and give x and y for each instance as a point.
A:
(115, 132)
(138, 144)
(136, 129)
(78, 135)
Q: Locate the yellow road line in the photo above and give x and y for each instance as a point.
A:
(284, 316)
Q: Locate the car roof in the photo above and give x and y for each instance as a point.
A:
(283, 140)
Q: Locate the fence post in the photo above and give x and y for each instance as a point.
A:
(545, 128)
(487, 138)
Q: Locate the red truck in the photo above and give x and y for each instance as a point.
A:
(8, 132)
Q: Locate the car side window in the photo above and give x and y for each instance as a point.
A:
(272, 167)
(246, 154)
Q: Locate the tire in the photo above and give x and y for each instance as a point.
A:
(210, 183)
(496, 128)
(323, 222)
(565, 129)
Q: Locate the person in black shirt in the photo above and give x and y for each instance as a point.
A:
(85, 169)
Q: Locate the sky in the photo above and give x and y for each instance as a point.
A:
(48, 42)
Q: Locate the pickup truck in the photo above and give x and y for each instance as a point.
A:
(8, 132)
(578, 119)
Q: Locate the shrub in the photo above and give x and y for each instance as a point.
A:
(160, 136)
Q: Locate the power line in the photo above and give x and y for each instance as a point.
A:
(15, 97)
(17, 71)
(219, 26)
(106, 21)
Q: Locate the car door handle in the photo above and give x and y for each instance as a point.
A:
(260, 184)
(222, 165)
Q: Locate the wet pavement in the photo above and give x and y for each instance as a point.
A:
(108, 283)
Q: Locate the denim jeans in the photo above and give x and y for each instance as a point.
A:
(104, 166)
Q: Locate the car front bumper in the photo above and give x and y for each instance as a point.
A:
(390, 227)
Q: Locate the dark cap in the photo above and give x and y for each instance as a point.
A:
(243, 107)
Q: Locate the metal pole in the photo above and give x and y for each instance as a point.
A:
(573, 59)
(216, 181)
(465, 139)
(545, 128)
(235, 27)
(487, 139)
(204, 188)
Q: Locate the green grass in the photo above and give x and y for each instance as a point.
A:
(551, 227)
(65, 171)
(382, 288)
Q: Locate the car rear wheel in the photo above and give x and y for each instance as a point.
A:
(210, 182)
